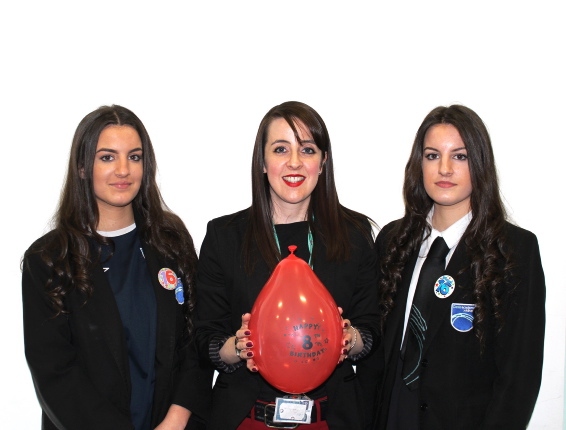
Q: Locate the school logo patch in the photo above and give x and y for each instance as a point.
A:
(462, 316)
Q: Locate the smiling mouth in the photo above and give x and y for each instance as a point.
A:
(293, 179)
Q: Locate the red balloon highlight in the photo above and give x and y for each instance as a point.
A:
(296, 328)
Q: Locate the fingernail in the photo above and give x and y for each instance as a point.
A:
(346, 342)
(250, 354)
(247, 332)
(249, 344)
(344, 352)
(254, 369)
(345, 325)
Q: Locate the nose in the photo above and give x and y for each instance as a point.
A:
(294, 161)
(445, 166)
(123, 167)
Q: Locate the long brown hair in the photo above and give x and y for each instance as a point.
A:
(70, 253)
(331, 226)
(484, 238)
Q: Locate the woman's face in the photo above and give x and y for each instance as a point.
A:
(292, 166)
(446, 172)
(118, 168)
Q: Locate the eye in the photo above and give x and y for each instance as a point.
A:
(461, 157)
(106, 157)
(136, 157)
(309, 150)
(279, 149)
(431, 156)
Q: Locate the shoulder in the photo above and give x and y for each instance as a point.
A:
(388, 230)
(39, 245)
(515, 233)
(520, 240)
(231, 221)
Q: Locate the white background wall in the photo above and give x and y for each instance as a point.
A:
(202, 75)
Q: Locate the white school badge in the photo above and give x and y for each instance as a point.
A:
(167, 278)
(462, 316)
(444, 286)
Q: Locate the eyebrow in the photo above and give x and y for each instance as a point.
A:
(115, 152)
(301, 142)
(454, 150)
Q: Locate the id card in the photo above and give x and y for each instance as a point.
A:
(293, 410)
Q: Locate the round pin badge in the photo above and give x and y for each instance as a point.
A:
(167, 278)
(444, 286)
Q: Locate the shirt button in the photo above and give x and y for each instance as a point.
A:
(424, 407)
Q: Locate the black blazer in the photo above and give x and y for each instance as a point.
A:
(79, 361)
(225, 292)
(461, 388)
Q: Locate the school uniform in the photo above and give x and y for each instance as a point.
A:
(225, 291)
(80, 362)
(460, 386)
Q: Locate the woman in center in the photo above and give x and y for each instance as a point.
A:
(294, 202)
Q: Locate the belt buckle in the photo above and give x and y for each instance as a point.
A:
(269, 421)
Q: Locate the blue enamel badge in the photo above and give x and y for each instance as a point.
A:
(462, 316)
(444, 286)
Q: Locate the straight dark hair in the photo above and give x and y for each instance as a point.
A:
(331, 225)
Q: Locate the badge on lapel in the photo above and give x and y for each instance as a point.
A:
(444, 286)
(170, 281)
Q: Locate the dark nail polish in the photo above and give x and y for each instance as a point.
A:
(345, 325)
(254, 369)
(247, 332)
(346, 342)
(344, 351)
(250, 354)
(249, 345)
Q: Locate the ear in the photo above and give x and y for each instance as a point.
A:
(264, 169)
(322, 163)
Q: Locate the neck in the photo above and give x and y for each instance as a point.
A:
(290, 213)
(444, 216)
(115, 218)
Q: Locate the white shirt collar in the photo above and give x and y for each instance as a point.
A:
(451, 235)
(117, 233)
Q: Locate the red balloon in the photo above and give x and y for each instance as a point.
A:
(296, 328)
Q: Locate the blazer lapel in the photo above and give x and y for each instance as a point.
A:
(166, 306)
(103, 307)
(396, 319)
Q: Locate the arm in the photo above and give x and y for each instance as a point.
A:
(64, 389)
(519, 346)
(213, 325)
(176, 419)
(362, 311)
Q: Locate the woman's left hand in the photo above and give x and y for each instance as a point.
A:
(351, 340)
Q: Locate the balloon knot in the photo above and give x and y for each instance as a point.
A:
(292, 248)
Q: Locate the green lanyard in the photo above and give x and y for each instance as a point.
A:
(309, 240)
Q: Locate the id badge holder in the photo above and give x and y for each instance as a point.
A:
(293, 409)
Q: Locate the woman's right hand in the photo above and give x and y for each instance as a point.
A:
(243, 344)
(239, 347)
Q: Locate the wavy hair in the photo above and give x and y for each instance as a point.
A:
(484, 238)
(75, 246)
(331, 226)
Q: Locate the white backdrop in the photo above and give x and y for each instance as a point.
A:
(202, 75)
